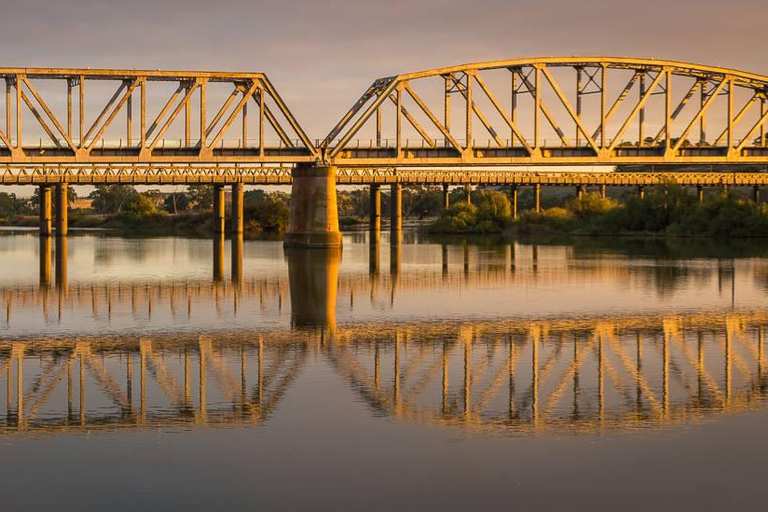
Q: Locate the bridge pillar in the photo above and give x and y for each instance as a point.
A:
(446, 197)
(602, 191)
(513, 197)
(45, 261)
(61, 200)
(45, 210)
(218, 257)
(314, 217)
(537, 197)
(237, 208)
(756, 194)
(237, 259)
(375, 210)
(641, 192)
(218, 209)
(396, 211)
(61, 263)
(580, 191)
(468, 194)
(700, 193)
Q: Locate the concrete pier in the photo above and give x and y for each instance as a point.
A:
(61, 204)
(237, 208)
(468, 194)
(375, 209)
(446, 197)
(537, 197)
(513, 200)
(396, 210)
(314, 217)
(46, 217)
(218, 209)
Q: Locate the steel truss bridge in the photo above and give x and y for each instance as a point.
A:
(546, 111)
(524, 376)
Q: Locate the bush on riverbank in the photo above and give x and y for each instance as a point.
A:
(666, 210)
(492, 214)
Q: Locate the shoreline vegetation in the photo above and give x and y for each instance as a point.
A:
(664, 211)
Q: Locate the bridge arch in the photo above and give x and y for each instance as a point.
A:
(557, 111)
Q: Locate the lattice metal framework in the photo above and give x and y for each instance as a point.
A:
(72, 115)
(557, 111)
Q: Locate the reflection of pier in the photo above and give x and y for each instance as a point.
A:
(557, 374)
(448, 269)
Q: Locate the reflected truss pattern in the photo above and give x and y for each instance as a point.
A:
(568, 111)
(86, 384)
(521, 376)
(163, 116)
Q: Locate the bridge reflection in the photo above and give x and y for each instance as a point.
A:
(519, 376)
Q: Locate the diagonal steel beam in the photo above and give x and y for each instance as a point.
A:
(544, 110)
(624, 93)
(48, 112)
(636, 110)
(680, 106)
(738, 117)
(576, 118)
(246, 96)
(700, 114)
(129, 90)
(477, 111)
(414, 122)
(503, 114)
(40, 120)
(183, 103)
(431, 116)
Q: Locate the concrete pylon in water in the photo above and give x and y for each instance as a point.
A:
(314, 218)
(313, 277)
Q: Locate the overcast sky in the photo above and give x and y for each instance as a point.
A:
(322, 54)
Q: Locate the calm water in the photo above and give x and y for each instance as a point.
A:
(178, 374)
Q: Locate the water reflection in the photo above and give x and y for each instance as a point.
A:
(313, 276)
(550, 375)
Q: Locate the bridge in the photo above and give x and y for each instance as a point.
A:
(524, 376)
(417, 128)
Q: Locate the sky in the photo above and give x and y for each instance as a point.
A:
(321, 55)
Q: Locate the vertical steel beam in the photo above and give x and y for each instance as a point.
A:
(703, 120)
(81, 107)
(536, 108)
(18, 113)
(513, 110)
(129, 119)
(468, 113)
(730, 115)
(203, 120)
(8, 107)
(641, 114)
(399, 122)
(603, 82)
(447, 106)
(245, 124)
(378, 127)
(579, 78)
(69, 107)
(668, 111)
(143, 113)
(262, 107)
(188, 121)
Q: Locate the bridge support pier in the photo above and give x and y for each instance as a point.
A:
(700, 193)
(374, 223)
(513, 198)
(603, 191)
(396, 212)
(237, 208)
(218, 209)
(579, 191)
(46, 227)
(314, 217)
(641, 192)
(313, 276)
(468, 194)
(756, 194)
(537, 197)
(61, 200)
(446, 197)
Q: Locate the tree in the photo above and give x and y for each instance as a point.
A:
(201, 196)
(35, 200)
(176, 202)
(10, 205)
(140, 205)
(109, 199)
